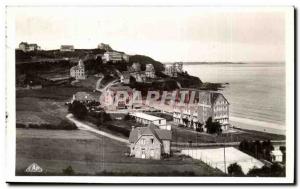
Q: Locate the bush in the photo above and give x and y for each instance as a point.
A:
(128, 117)
(235, 170)
(213, 127)
(78, 109)
(275, 170)
(121, 130)
(66, 125)
(68, 171)
(20, 125)
(257, 149)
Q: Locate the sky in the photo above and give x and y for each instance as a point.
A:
(167, 34)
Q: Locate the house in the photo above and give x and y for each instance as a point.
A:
(147, 119)
(100, 75)
(67, 48)
(26, 47)
(125, 57)
(174, 69)
(125, 77)
(136, 67)
(139, 77)
(84, 97)
(112, 56)
(206, 104)
(170, 71)
(276, 154)
(150, 71)
(114, 102)
(150, 142)
(105, 47)
(178, 67)
(78, 72)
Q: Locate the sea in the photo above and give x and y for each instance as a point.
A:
(255, 91)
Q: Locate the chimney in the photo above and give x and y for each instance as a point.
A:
(132, 128)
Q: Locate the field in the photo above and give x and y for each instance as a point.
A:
(44, 105)
(90, 154)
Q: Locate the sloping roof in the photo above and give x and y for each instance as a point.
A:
(276, 153)
(208, 96)
(146, 116)
(164, 134)
(82, 96)
(160, 134)
(120, 88)
(133, 136)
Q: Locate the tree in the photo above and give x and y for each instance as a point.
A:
(199, 127)
(235, 170)
(185, 121)
(244, 146)
(68, 171)
(213, 127)
(267, 148)
(78, 110)
(127, 117)
(275, 170)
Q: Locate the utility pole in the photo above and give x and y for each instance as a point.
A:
(225, 169)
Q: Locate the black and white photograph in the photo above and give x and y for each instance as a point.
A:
(150, 94)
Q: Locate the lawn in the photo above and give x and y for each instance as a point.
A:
(185, 135)
(90, 82)
(89, 154)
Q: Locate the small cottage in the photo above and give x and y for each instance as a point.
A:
(276, 155)
(150, 142)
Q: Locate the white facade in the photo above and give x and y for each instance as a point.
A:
(277, 156)
(147, 119)
(112, 56)
(78, 72)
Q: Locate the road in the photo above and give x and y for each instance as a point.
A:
(116, 81)
(84, 126)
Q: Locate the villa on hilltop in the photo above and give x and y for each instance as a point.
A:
(67, 48)
(105, 47)
(28, 47)
(114, 56)
(174, 69)
(78, 72)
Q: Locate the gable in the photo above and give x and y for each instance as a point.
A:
(220, 97)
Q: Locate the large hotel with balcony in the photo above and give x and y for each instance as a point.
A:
(207, 104)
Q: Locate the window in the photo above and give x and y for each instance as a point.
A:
(152, 141)
(159, 121)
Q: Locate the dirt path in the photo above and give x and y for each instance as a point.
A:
(86, 127)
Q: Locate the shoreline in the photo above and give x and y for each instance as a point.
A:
(238, 122)
(255, 125)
